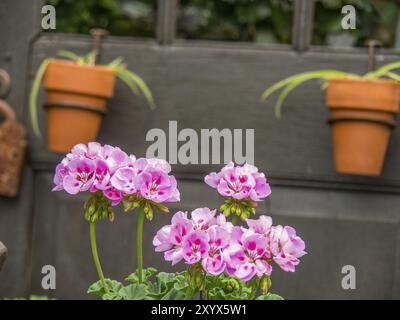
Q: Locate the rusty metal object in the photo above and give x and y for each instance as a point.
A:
(3, 254)
(372, 45)
(5, 83)
(13, 143)
(98, 34)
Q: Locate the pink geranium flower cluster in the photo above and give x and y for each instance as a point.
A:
(220, 246)
(240, 182)
(110, 170)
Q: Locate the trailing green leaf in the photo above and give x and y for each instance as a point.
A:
(130, 77)
(71, 56)
(382, 71)
(290, 83)
(224, 287)
(34, 94)
(269, 296)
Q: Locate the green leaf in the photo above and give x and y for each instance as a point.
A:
(117, 62)
(133, 291)
(133, 80)
(224, 287)
(269, 296)
(98, 290)
(146, 274)
(71, 56)
(393, 76)
(34, 94)
(382, 71)
(290, 83)
(90, 58)
(168, 286)
(111, 296)
(35, 297)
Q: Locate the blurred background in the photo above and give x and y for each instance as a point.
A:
(259, 21)
(207, 62)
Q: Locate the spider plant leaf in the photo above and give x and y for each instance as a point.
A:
(288, 84)
(69, 55)
(117, 62)
(284, 93)
(392, 75)
(382, 71)
(34, 94)
(323, 74)
(90, 58)
(128, 81)
(138, 81)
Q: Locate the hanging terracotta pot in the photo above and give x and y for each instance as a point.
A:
(362, 115)
(77, 98)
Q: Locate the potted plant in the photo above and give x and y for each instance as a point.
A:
(362, 113)
(225, 260)
(77, 94)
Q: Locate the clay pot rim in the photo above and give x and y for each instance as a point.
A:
(381, 82)
(74, 65)
(361, 118)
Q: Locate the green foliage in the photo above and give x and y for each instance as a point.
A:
(233, 20)
(288, 84)
(183, 286)
(224, 287)
(236, 20)
(34, 94)
(98, 290)
(119, 17)
(269, 296)
(131, 79)
(166, 286)
(146, 274)
(31, 297)
(376, 19)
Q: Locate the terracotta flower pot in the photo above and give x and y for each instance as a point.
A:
(76, 101)
(362, 114)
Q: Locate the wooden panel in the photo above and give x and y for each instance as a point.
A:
(15, 233)
(344, 219)
(3, 254)
(19, 25)
(217, 87)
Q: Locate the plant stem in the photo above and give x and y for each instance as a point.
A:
(96, 256)
(139, 240)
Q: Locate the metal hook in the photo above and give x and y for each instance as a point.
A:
(5, 83)
(98, 34)
(372, 45)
